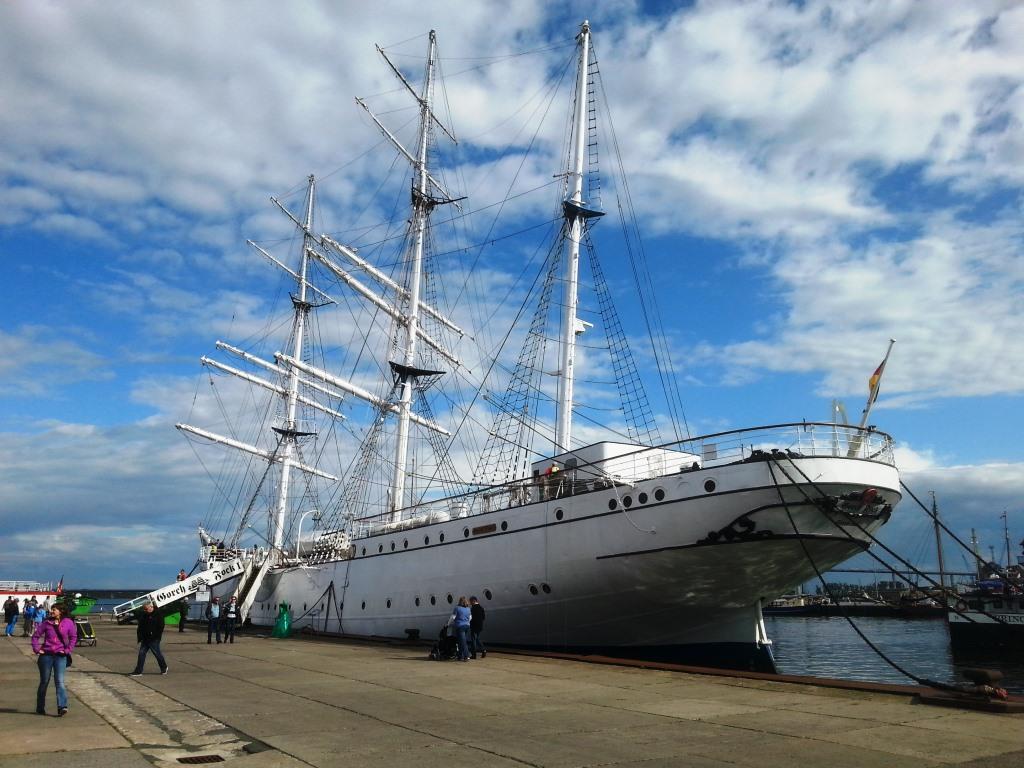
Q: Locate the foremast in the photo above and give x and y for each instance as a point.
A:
(289, 431)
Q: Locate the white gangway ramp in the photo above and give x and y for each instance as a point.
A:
(179, 589)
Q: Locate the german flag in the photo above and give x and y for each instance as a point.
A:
(874, 381)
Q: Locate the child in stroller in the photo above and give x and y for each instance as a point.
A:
(447, 646)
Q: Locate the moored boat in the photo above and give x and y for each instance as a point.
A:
(625, 544)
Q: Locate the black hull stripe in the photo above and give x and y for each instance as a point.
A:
(864, 545)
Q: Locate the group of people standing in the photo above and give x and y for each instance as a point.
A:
(32, 612)
(468, 621)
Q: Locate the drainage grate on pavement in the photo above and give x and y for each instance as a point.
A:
(201, 759)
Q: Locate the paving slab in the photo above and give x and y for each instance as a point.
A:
(266, 703)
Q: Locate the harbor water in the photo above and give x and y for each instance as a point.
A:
(829, 647)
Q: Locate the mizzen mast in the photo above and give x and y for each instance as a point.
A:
(576, 212)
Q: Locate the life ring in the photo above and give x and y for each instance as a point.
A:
(961, 606)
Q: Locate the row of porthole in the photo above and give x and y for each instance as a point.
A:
(642, 498)
(426, 540)
(433, 600)
(534, 590)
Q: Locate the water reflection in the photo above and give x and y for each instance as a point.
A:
(828, 647)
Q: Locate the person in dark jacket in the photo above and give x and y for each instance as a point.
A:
(11, 612)
(213, 617)
(149, 631)
(476, 626)
(229, 620)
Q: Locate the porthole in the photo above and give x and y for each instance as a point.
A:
(405, 544)
(559, 514)
(642, 498)
(426, 539)
(389, 602)
(364, 551)
(433, 600)
(450, 598)
(392, 546)
(487, 594)
(709, 485)
(417, 602)
(533, 589)
(546, 588)
(659, 494)
(627, 501)
(380, 548)
(612, 503)
(441, 537)
(304, 607)
(364, 605)
(465, 533)
(504, 525)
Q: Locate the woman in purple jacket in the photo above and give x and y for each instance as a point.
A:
(52, 642)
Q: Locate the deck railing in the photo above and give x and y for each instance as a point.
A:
(794, 440)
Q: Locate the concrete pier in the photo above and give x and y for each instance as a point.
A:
(261, 702)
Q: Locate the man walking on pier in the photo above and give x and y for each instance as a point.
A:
(149, 632)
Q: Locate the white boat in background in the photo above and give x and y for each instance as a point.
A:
(42, 591)
(619, 542)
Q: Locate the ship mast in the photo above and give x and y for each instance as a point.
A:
(427, 193)
(575, 213)
(289, 431)
(422, 206)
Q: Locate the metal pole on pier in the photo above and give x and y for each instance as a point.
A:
(1006, 533)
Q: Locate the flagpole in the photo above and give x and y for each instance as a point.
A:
(873, 394)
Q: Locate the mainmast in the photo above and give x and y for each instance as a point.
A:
(575, 212)
(427, 192)
(289, 431)
(421, 208)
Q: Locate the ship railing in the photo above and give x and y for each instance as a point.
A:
(804, 439)
(24, 586)
(779, 441)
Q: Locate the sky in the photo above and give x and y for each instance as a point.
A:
(811, 180)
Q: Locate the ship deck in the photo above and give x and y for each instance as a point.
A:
(263, 702)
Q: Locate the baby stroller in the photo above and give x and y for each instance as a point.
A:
(86, 635)
(447, 647)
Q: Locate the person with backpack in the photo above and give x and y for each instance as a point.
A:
(29, 615)
(460, 620)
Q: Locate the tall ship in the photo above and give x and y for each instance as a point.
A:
(408, 455)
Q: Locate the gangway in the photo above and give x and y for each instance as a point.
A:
(177, 590)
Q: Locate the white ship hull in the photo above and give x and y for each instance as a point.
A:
(681, 578)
